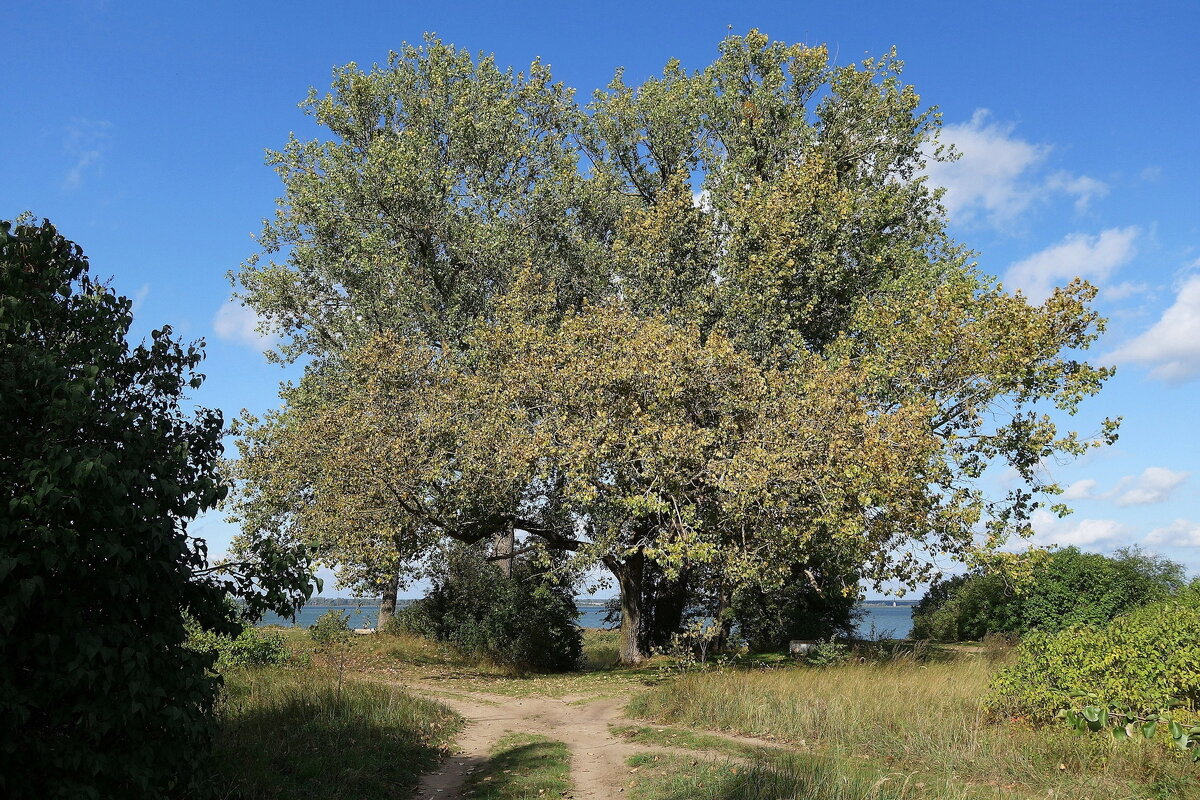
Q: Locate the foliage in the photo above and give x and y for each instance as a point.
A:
(294, 735)
(331, 628)
(1123, 724)
(523, 620)
(828, 653)
(738, 342)
(101, 471)
(802, 608)
(1066, 588)
(1143, 662)
(253, 647)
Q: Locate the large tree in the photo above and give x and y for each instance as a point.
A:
(102, 469)
(738, 337)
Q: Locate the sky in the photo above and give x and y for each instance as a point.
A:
(139, 130)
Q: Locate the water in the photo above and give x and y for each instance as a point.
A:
(895, 621)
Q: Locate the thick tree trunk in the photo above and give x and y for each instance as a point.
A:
(504, 545)
(629, 574)
(387, 605)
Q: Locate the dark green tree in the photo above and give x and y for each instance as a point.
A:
(1069, 588)
(100, 471)
(523, 619)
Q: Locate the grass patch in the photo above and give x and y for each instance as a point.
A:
(793, 777)
(685, 738)
(523, 765)
(601, 648)
(923, 719)
(295, 734)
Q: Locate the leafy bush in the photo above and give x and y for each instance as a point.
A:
(332, 627)
(1143, 661)
(522, 621)
(807, 606)
(1069, 588)
(102, 467)
(253, 647)
(828, 653)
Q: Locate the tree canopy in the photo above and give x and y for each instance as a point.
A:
(714, 319)
(102, 469)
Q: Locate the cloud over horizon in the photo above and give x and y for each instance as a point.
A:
(996, 177)
(1049, 529)
(1180, 533)
(239, 323)
(1171, 346)
(1094, 258)
(85, 144)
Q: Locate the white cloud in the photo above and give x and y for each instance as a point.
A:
(1049, 529)
(235, 322)
(996, 178)
(1079, 490)
(1154, 485)
(1172, 345)
(1123, 290)
(1083, 188)
(1078, 255)
(85, 143)
(1180, 533)
(140, 297)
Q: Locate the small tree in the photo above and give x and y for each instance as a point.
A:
(101, 470)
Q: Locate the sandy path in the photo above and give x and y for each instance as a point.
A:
(598, 759)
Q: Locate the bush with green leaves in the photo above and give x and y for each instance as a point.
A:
(1069, 588)
(811, 604)
(101, 470)
(1144, 662)
(253, 647)
(332, 627)
(525, 621)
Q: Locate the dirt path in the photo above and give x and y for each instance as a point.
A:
(598, 759)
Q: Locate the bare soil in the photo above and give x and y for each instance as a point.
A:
(599, 769)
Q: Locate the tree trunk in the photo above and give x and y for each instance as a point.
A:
(629, 574)
(504, 545)
(387, 605)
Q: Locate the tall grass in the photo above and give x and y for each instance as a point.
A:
(916, 717)
(786, 777)
(298, 734)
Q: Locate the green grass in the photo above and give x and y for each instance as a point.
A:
(785, 777)
(685, 738)
(295, 734)
(523, 766)
(916, 719)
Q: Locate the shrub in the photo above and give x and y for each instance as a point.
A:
(253, 647)
(806, 606)
(522, 621)
(1070, 588)
(1142, 661)
(332, 627)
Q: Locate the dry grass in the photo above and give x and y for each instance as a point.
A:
(922, 718)
(301, 734)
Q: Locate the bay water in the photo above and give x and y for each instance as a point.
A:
(877, 620)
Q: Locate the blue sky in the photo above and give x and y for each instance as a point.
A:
(139, 129)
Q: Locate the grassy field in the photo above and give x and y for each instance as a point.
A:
(920, 720)
(893, 729)
(295, 733)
